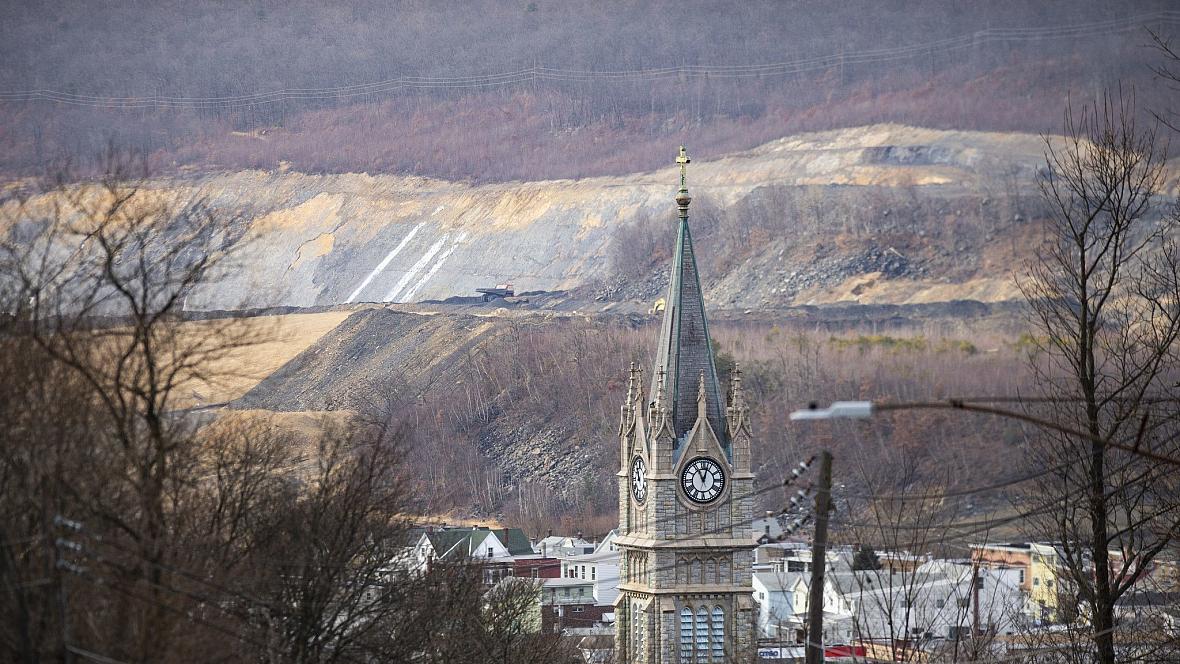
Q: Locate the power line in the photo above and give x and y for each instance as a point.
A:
(542, 73)
(961, 492)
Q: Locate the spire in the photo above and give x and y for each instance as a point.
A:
(684, 354)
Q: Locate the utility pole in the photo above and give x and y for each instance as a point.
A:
(819, 561)
(61, 546)
(975, 582)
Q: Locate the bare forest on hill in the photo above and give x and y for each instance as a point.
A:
(500, 442)
(531, 90)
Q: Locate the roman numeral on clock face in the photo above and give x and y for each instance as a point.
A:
(702, 480)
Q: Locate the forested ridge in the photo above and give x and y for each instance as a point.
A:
(532, 90)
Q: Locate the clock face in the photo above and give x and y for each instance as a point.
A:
(702, 480)
(639, 479)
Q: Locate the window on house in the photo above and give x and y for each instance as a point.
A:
(686, 634)
(565, 592)
(940, 603)
(579, 608)
(1048, 583)
(1021, 576)
(535, 571)
(583, 571)
(1036, 581)
(593, 573)
(581, 592)
(489, 552)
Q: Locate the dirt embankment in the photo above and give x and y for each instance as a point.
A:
(880, 214)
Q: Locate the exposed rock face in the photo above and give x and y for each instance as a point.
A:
(306, 240)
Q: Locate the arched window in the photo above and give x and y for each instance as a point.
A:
(702, 640)
(718, 637)
(685, 635)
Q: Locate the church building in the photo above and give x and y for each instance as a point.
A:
(685, 491)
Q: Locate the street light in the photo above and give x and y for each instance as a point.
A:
(838, 410)
(861, 410)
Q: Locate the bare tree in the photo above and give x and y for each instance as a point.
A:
(1104, 296)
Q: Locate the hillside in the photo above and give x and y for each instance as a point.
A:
(502, 90)
(878, 214)
(507, 418)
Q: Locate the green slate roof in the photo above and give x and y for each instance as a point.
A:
(515, 540)
(453, 542)
(458, 541)
(684, 352)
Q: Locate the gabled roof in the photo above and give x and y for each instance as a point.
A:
(452, 542)
(463, 541)
(515, 541)
(780, 581)
(607, 541)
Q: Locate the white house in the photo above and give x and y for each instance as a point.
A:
(607, 543)
(460, 543)
(782, 607)
(600, 568)
(940, 600)
(555, 546)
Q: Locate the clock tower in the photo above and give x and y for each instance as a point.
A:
(685, 504)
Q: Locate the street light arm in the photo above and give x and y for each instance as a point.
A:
(865, 409)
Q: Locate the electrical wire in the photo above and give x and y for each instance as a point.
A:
(542, 73)
(959, 493)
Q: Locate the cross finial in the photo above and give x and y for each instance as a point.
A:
(682, 197)
(684, 161)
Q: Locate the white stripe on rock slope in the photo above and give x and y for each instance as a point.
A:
(414, 270)
(385, 262)
(409, 295)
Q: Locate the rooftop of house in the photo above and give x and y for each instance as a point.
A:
(450, 542)
(600, 557)
(778, 581)
(566, 582)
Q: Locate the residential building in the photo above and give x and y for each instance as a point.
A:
(555, 546)
(568, 602)
(601, 569)
(506, 590)
(941, 600)
(782, 599)
(494, 549)
(1036, 565)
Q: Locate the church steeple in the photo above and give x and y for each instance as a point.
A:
(685, 489)
(684, 353)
